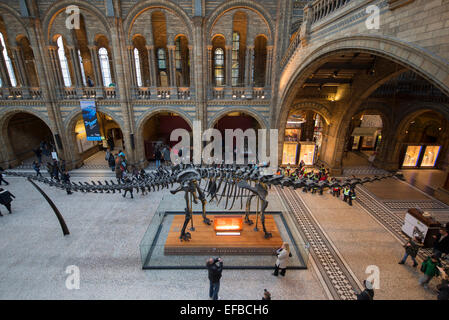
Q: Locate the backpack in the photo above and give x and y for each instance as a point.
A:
(424, 266)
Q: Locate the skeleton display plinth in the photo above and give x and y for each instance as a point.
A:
(206, 241)
(228, 225)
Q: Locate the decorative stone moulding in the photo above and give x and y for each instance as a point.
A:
(394, 4)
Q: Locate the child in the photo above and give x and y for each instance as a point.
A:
(430, 270)
(411, 249)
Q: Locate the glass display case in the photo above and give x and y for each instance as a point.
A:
(412, 156)
(430, 156)
(307, 153)
(289, 153)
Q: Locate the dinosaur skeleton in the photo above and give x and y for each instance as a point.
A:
(227, 181)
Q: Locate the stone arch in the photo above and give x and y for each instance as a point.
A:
(60, 6)
(215, 15)
(7, 9)
(319, 108)
(168, 5)
(432, 68)
(408, 116)
(140, 123)
(213, 121)
(9, 156)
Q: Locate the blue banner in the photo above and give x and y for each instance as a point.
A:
(89, 111)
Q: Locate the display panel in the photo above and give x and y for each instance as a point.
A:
(412, 156)
(289, 153)
(307, 153)
(430, 156)
(292, 135)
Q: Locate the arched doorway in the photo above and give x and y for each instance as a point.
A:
(24, 133)
(239, 120)
(365, 139)
(92, 153)
(303, 137)
(156, 131)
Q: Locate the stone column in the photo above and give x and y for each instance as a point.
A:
(210, 66)
(152, 66)
(228, 65)
(96, 66)
(171, 66)
(250, 66)
(18, 58)
(269, 64)
(132, 63)
(190, 69)
(56, 66)
(247, 66)
(76, 69)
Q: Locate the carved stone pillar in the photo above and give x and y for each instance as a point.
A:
(210, 67)
(18, 58)
(190, 69)
(56, 66)
(171, 66)
(132, 63)
(269, 64)
(96, 66)
(152, 66)
(76, 67)
(228, 65)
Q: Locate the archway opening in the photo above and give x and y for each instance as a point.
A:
(27, 134)
(243, 121)
(92, 152)
(365, 139)
(303, 137)
(157, 129)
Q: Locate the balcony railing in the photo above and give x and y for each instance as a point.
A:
(21, 93)
(162, 93)
(239, 93)
(323, 8)
(107, 93)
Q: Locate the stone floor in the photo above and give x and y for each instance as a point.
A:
(106, 230)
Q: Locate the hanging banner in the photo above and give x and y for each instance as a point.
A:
(89, 111)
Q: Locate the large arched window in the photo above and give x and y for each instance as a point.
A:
(138, 69)
(105, 67)
(235, 58)
(9, 67)
(63, 63)
(161, 61)
(219, 66)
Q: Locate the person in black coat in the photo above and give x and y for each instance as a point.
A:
(215, 268)
(368, 293)
(65, 177)
(441, 244)
(443, 287)
(1, 177)
(6, 199)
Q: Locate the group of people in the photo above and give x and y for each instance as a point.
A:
(45, 149)
(215, 268)
(431, 267)
(347, 194)
(162, 153)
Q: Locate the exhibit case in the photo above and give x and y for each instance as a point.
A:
(161, 248)
(289, 153)
(430, 156)
(412, 156)
(307, 152)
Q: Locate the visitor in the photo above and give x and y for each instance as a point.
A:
(283, 253)
(266, 295)
(1, 177)
(336, 189)
(443, 287)
(38, 153)
(166, 154)
(127, 180)
(65, 177)
(215, 268)
(6, 199)
(441, 244)
(62, 167)
(90, 83)
(118, 171)
(430, 270)
(411, 249)
(55, 168)
(157, 157)
(348, 195)
(368, 293)
(111, 143)
(50, 169)
(37, 168)
(302, 164)
(111, 161)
